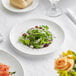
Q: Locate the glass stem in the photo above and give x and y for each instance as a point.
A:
(54, 11)
(53, 6)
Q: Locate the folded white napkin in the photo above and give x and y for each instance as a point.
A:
(71, 15)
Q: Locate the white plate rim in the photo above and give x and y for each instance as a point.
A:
(22, 10)
(44, 18)
(1, 50)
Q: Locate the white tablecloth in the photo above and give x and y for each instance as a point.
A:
(37, 66)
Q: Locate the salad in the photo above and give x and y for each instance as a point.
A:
(4, 70)
(37, 37)
(66, 64)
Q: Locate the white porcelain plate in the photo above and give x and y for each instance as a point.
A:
(6, 4)
(18, 30)
(9, 60)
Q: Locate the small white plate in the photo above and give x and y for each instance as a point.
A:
(9, 60)
(6, 4)
(18, 30)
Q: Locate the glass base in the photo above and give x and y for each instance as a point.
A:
(54, 12)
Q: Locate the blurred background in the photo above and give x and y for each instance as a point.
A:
(68, 4)
(63, 4)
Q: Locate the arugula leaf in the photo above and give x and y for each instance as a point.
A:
(22, 40)
(11, 73)
(27, 42)
(46, 27)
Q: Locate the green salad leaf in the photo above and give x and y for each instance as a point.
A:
(45, 26)
(11, 73)
(37, 37)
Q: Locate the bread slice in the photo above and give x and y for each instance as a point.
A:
(20, 3)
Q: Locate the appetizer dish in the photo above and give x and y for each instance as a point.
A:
(20, 4)
(37, 37)
(4, 70)
(66, 64)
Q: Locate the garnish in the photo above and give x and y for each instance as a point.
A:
(66, 64)
(4, 70)
(11, 73)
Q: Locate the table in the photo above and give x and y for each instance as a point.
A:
(37, 66)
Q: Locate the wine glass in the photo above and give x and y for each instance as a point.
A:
(54, 10)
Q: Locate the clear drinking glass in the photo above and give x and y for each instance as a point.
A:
(54, 10)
